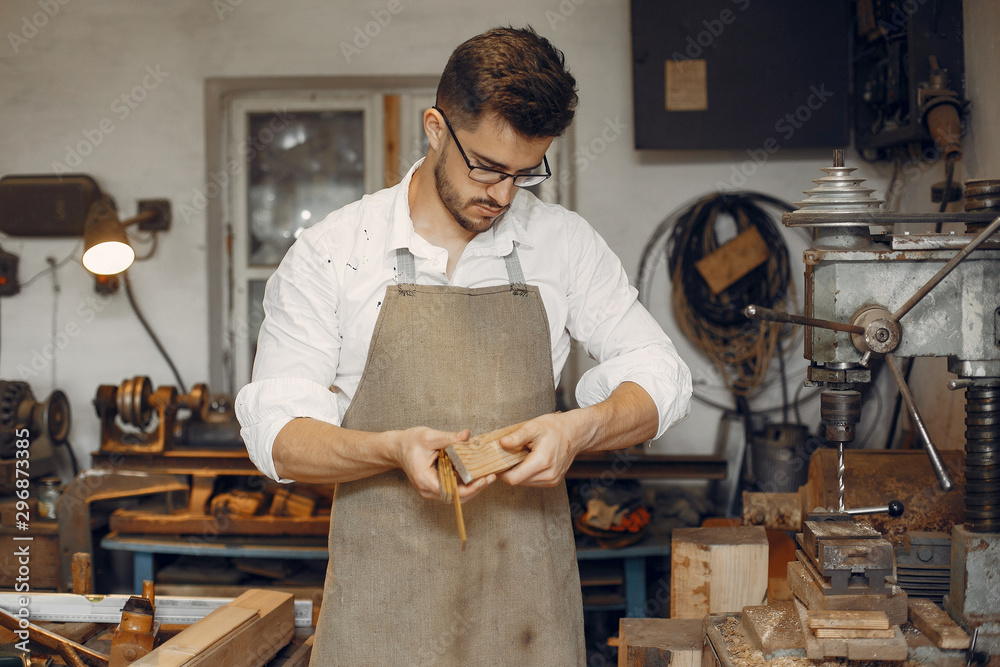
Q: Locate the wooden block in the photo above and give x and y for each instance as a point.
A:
(937, 625)
(237, 503)
(848, 619)
(248, 631)
(659, 642)
(82, 579)
(807, 590)
(482, 455)
(774, 630)
(734, 260)
(716, 570)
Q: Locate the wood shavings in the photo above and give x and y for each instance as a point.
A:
(743, 655)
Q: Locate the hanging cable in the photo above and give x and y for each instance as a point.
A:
(714, 323)
(149, 330)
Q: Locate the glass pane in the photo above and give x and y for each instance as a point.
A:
(255, 314)
(303, 165)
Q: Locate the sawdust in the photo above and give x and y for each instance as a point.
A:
(743, 655)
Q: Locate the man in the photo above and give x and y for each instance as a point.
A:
(439, 307)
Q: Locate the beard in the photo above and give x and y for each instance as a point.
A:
(452, 201)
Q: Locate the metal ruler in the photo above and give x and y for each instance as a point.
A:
(65, 607)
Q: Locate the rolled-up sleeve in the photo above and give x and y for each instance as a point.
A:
(298, 350)
(616, 330)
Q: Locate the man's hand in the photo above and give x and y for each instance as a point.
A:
(554, 441)
(417, 454)
(627, 417)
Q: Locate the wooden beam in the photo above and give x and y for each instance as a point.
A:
(659, 642)
(392, 140)
(150, 523)
(937, 625)
(249, 631)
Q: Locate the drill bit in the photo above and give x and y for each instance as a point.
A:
(840, 477)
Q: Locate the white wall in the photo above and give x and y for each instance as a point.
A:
(63, 81)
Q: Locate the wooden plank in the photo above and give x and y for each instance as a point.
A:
(254, 646)
(732, 261)
(853, 633)
(890, 649)
(658, 642)
(78, 632)
(391, 111)
(716, 570)
(774, 630)
(249, 631)
(138, 522)
(198, 638)
(849, 619)
(808, 591)
(482, 455)
(937, 625)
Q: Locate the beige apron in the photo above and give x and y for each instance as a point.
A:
(399, 591)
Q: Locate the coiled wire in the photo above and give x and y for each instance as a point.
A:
(714, 323)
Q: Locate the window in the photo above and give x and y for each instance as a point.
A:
(292, 151)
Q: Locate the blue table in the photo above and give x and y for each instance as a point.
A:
(145, 547)
(634, 563)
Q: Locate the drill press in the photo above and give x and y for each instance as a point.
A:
(912, 295)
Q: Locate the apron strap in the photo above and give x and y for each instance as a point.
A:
(406, 271)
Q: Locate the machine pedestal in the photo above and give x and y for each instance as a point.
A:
(974, 600)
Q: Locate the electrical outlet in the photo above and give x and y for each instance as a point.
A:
(161, 222)
(8, 274)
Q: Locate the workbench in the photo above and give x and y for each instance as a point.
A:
(145, 548)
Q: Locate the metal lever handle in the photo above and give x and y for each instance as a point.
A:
(894, 509)
(946, 269)
(944, 479)
(761, 313)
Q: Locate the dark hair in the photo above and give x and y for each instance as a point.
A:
(514, 73)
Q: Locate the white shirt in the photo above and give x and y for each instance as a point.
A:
(321, 304)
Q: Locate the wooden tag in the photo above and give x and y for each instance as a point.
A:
(733, 260)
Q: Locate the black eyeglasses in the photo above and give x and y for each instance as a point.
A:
(494, 176)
